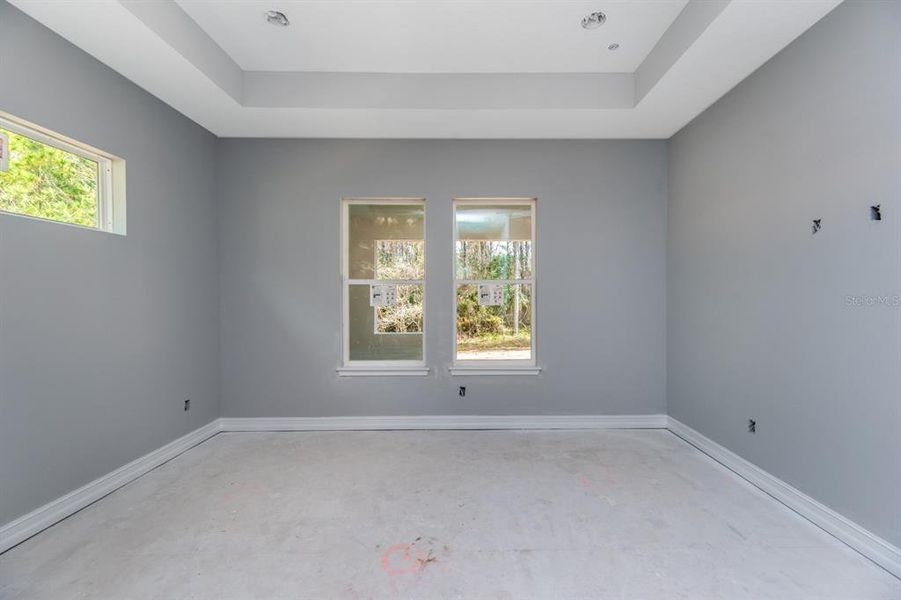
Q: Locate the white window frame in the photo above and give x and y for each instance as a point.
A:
(110, 175)
(355, 368)
(495, 367)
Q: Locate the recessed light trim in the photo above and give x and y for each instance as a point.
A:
(276, 17)
(613, 46)
(594, 20)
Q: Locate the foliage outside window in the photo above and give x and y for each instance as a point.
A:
(48, 182)
(494, 249)
(400, 260)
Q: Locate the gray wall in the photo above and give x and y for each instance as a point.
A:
(759, 319)
(102, 337)
(601, 273)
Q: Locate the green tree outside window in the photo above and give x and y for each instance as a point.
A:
(47, 182)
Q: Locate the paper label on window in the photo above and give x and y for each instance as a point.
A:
(491, 294)
(4, 152)
(382, 295)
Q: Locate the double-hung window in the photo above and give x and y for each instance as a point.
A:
(494, 286)
(383, 286)
(46, 176)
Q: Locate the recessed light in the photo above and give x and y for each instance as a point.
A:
(277, 18)
(613, 46)
(594, 20)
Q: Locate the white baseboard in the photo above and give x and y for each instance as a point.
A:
(446, 422)
(872, 546)
(37, 520)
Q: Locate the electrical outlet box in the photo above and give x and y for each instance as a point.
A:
(187, 404)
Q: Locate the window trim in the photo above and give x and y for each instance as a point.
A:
(356, 368)
(110, 175)
(494, 367)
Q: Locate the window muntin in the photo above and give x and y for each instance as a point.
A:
(51, 178)
(494, 258)
(384, 244)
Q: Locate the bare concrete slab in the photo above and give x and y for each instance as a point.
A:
(440, 514)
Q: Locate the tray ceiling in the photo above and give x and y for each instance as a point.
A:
(435, 68)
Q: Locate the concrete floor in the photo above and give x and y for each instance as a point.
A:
(452, 514)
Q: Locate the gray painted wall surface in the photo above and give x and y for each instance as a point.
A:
(102, 336)
(758, 314)
(601, 273)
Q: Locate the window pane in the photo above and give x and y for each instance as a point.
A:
(494, 242)
(502, 332)
(405, 316)
(477, 259)
(46, 182)
(399, 259)
(367, 343)
(370, 229)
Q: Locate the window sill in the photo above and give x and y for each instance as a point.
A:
(382, 371)
(495, 370)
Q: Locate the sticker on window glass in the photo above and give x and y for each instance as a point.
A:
(382, 295)
(491, 294)
(4, 152)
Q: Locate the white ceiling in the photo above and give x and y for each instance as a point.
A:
(403, 36)
(433, 68)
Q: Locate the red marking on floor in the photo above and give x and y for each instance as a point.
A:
(401, 559)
